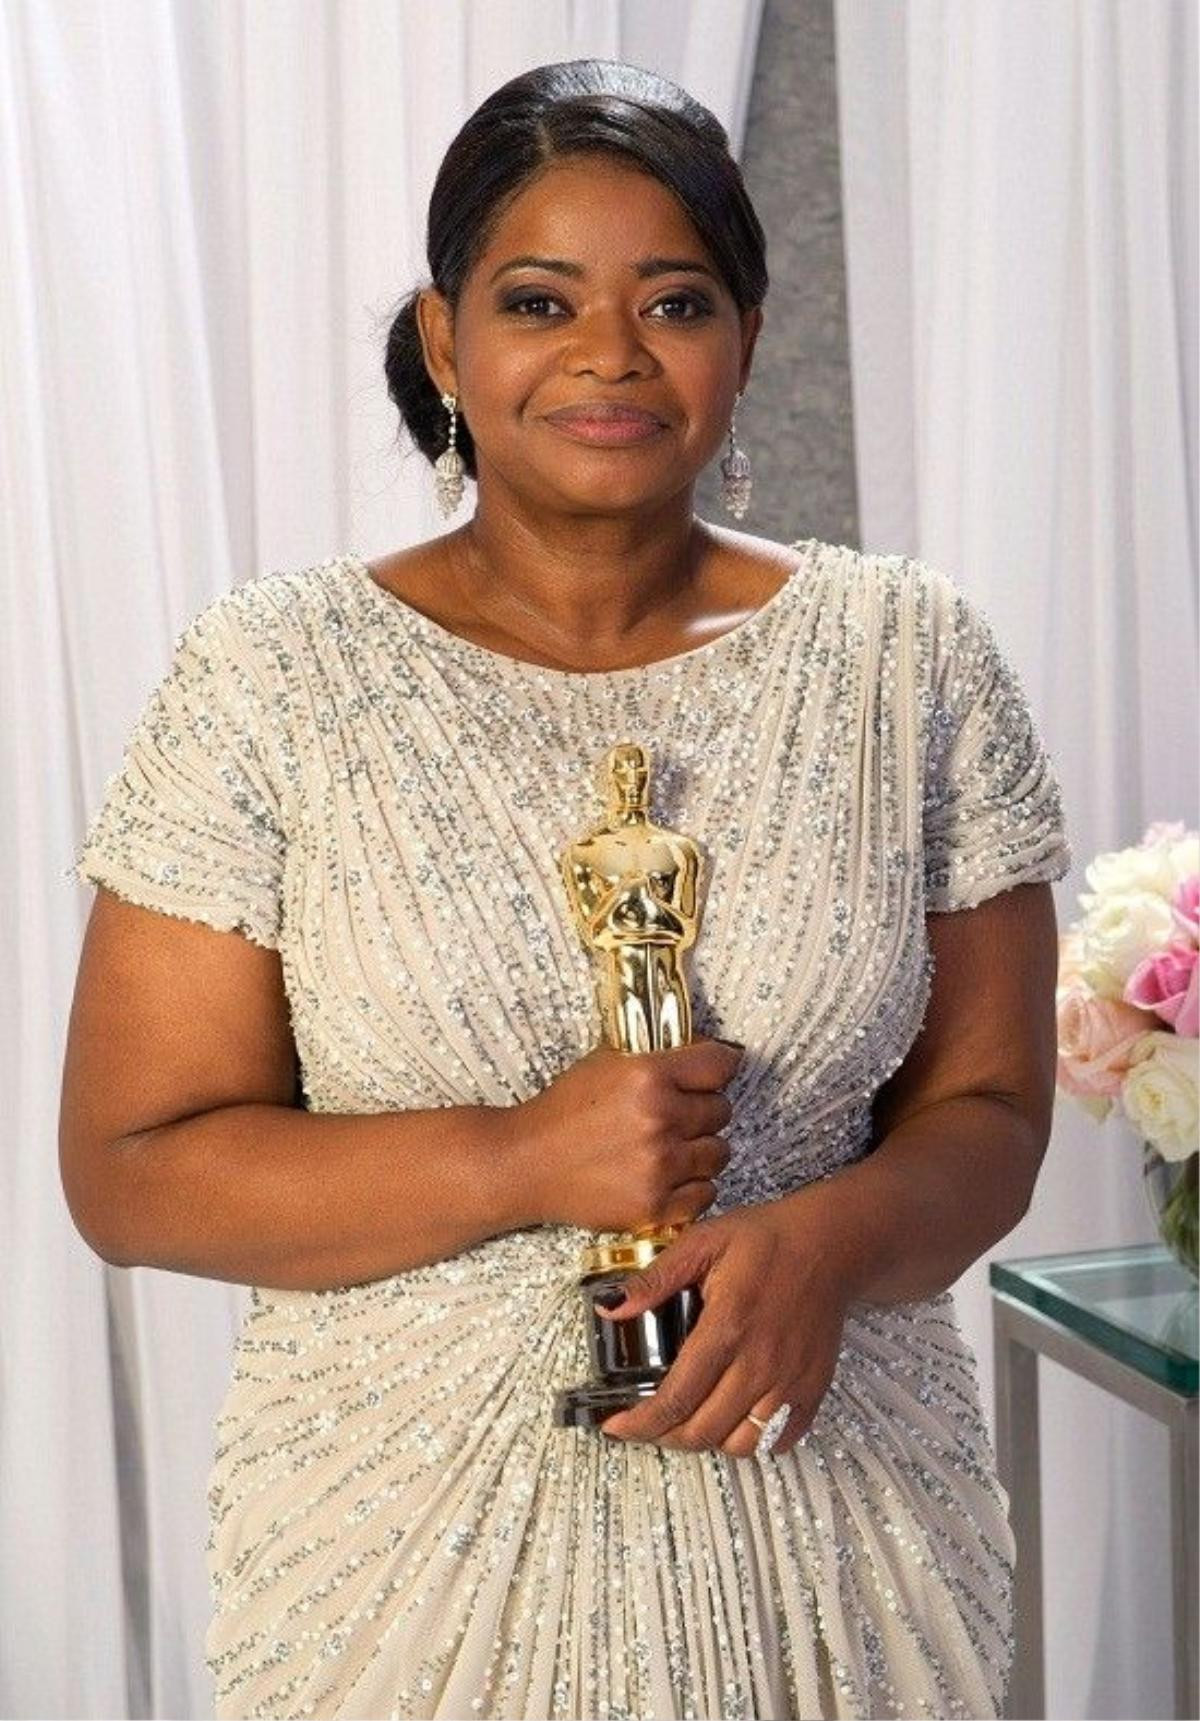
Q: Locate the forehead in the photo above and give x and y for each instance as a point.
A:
(593, 207)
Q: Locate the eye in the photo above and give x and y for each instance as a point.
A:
(696, 301)
(524, 306)
(521, 305)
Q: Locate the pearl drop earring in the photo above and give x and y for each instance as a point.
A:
(449, 465)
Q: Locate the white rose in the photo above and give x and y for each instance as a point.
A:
(1117, 932)
(1185, 856)
(1159, 1094)
(1129, 872)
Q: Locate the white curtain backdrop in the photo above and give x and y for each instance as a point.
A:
(1020, 195)
(207, 211)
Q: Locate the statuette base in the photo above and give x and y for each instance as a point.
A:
(629, 1357)
(587, 1406)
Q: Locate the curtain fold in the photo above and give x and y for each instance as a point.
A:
(208, 212)
(1020, 198)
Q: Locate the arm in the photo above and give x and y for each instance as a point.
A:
(180, 1146)
(269, 1195)
(962, 1126)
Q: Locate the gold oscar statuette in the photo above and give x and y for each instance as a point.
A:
(633, 888)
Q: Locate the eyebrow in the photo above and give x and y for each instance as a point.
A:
(644, 270)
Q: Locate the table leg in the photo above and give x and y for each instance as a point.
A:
(1018, 1461)
(1183, 1557)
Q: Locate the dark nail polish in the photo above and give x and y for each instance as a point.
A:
(610, 1298)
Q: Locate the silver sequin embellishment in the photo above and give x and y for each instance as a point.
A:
(396, 1528)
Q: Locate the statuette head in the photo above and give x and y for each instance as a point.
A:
(627, 777)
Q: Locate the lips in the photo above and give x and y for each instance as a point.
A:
(605, 412)
(606, 424)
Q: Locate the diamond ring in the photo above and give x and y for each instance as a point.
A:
(772, 1428)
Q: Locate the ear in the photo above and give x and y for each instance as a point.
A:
(435, 325)
(752, 322)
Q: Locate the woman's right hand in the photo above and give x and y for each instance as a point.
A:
(622, 1140)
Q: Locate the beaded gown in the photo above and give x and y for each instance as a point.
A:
(397, 1529)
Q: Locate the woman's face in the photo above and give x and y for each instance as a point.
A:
(584, 326)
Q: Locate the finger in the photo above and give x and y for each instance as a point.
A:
(696, 1113)
(794, 1429)
(682, 1263)
(703, 1064)
(702, 1361)
(708, 1155)
(686, 1202)
(722, 1415)
(743, 1440)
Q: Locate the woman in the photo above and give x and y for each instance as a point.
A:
(368, 770)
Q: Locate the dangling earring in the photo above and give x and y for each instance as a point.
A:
(449, 466)
(736, 482)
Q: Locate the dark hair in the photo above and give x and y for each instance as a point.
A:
(573, 107)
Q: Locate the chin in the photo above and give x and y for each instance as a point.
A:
(610, 499)
(624, 483)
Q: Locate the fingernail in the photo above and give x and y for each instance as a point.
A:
(609, 1299)
(736, 1044)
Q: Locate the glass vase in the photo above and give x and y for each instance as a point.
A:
(1170, 1186)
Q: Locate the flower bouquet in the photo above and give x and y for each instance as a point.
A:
(1127, 1013)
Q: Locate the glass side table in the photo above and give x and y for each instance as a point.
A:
(1125, 1319)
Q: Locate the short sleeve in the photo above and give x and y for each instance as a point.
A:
(191, 823)
(993, 814)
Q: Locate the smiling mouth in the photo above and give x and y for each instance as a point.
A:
(609, 426)
(604, 411)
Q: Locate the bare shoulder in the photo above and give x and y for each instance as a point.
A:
(414, 571)
(423, 576)
(745, 570)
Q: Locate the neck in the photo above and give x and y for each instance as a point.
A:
(586, 583)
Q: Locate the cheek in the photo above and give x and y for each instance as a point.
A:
(501, 376)
(703, 378)
(701, 389)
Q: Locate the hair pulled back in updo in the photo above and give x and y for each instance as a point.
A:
(572, 107)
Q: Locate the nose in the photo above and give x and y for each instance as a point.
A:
(608, 344)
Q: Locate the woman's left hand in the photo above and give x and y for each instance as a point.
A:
(775, 1294)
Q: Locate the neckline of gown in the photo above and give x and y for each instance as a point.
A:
(424, 625)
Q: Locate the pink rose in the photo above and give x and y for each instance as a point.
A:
(1188, 1020)
(1096, 1037)
(1185, 907)
(1166, 984)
